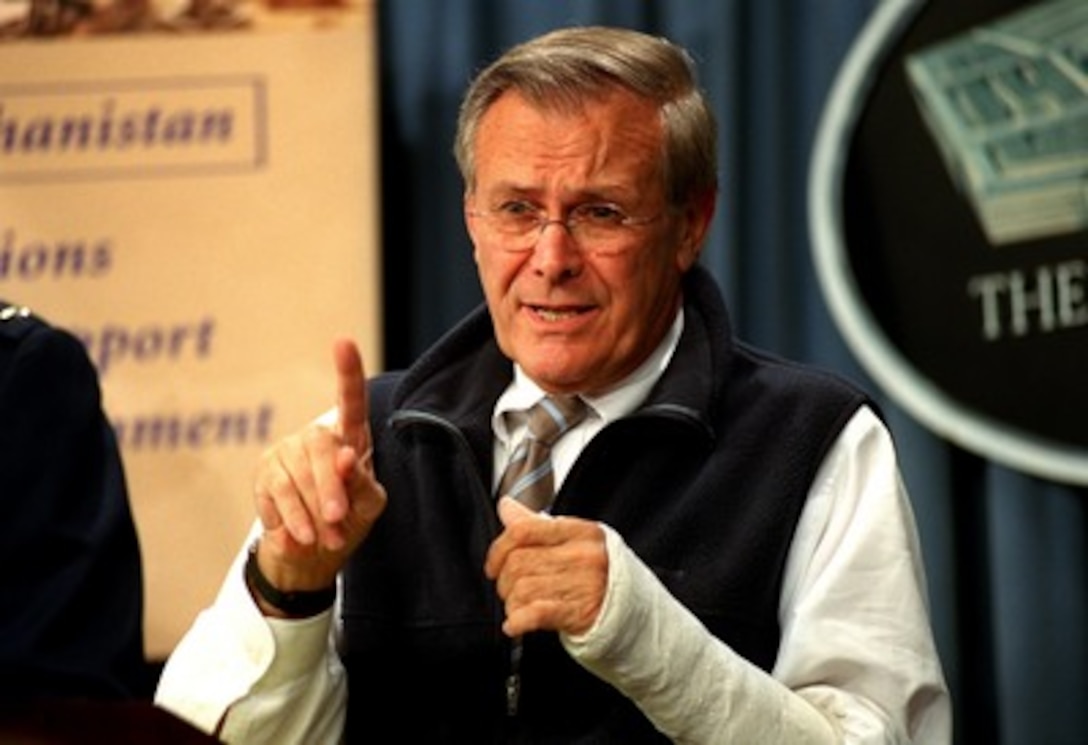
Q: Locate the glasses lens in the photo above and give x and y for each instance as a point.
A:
(517, 223)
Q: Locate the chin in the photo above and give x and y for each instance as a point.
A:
(560, 379)
(548, 373)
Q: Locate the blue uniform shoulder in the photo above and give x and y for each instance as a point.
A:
(16, 321)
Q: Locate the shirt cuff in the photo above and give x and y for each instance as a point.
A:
(232, 650)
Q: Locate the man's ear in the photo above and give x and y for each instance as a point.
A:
(470, 221)
(697, 216)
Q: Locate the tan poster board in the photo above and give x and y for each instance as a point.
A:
(198, 202)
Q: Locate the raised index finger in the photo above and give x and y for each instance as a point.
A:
(351, 395)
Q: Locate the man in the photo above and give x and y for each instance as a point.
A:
(71, 586)
(729, 557)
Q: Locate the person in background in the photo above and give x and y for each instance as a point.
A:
(71, 578)
(730, 555)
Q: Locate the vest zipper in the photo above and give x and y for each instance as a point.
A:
(513, 680)
(406, 417)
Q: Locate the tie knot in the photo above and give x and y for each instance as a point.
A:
(554, 415)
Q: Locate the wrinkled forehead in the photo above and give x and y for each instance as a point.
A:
(618, 135)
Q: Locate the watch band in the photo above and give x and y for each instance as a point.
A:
(295, 604)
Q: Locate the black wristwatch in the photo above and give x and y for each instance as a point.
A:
(295, 604)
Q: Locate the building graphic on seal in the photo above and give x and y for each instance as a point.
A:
(1007, 105)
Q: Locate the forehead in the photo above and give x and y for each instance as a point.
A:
(616, 136)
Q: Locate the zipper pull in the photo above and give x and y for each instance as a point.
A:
(513, 680)
(513, 693)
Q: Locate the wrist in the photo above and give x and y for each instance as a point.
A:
(280, 603)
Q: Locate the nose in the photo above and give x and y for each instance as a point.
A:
(545, 224)
(556, 254)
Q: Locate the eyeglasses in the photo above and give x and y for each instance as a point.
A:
(595, 225)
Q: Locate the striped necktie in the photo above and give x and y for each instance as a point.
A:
(528, 476)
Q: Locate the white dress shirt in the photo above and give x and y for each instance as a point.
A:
(857, 661)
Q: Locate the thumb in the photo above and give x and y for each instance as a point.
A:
(512, 511)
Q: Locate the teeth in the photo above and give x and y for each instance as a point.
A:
(555, 315)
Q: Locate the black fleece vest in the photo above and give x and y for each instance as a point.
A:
(705, 482)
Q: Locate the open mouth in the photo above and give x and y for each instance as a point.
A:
(555, 314)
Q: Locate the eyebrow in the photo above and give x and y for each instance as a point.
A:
(617, 194)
